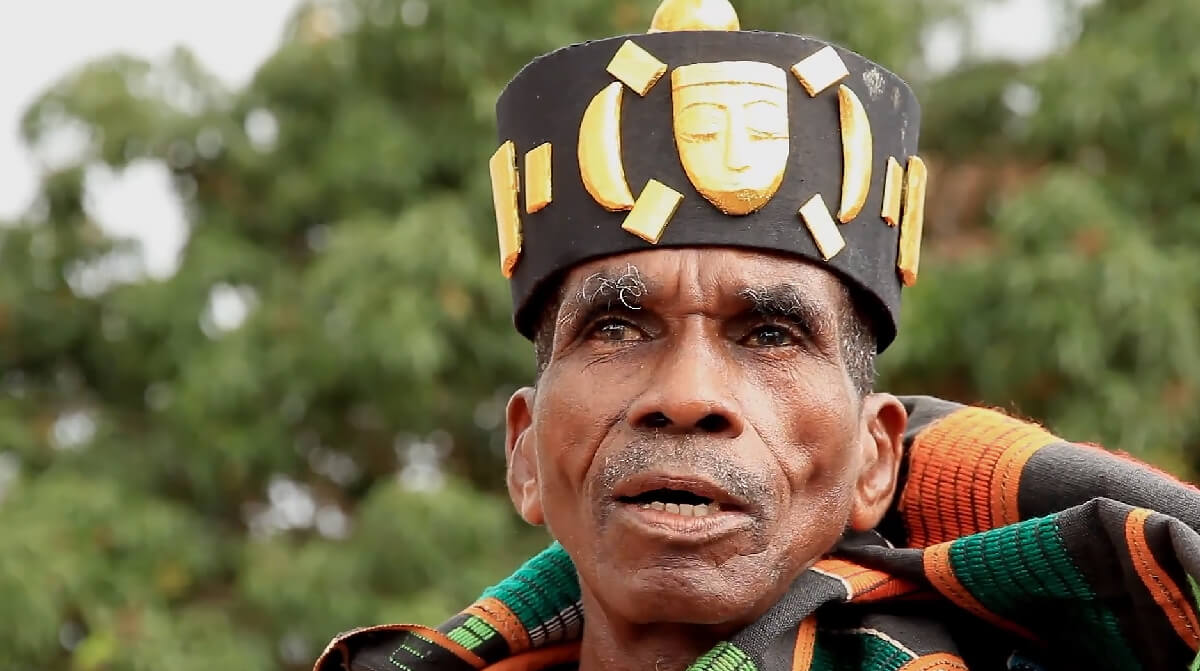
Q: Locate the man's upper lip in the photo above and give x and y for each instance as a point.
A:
(698, 485)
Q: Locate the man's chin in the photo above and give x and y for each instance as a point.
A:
(650, 566)
(684, 591)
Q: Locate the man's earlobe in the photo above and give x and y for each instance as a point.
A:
(521, 457)
(882, 443)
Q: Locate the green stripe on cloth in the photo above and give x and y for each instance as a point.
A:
(1024, 571)
(415, 645)
(724, 657)
(855, 650)
(472, 633)
(541, 590)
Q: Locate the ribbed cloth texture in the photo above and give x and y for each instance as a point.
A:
(544, 595)
(1016, 570)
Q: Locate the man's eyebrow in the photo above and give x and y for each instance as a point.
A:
(608, 289)
(786, 300)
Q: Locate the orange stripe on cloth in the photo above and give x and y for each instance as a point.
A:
(1166, 593)
(940, 572)
(542, 658)
(494, 612)
(892, 588)
(942, 661)
(863, 583)
(1006, 482)
(806, 644)
(964, 474)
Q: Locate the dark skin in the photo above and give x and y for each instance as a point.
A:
(712, 376)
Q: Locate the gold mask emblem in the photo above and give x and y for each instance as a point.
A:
(731, 130)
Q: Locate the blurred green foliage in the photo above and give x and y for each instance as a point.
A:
(184, 492)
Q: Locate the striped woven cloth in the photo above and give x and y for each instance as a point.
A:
(1007, 548)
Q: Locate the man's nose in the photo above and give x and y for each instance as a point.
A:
(690, 396)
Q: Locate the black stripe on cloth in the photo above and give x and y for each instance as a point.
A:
(394, 650)
(776, 630)
(1164, 535)
(923, 411)
(1096, 543)
(491, 649)
(901, 562)
(1063, 475)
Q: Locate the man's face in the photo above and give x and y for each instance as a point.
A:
(695, 441)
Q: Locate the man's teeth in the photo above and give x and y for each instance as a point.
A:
(684, 509)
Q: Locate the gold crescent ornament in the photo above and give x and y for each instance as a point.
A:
(857, 154)
(600, 163)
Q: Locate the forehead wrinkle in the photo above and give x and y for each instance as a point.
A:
(684, 287)
(692, 285)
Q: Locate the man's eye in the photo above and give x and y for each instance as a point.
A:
(768, 335)
(615, 330)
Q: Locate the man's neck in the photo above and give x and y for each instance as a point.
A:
(654, 648)
(611, 644)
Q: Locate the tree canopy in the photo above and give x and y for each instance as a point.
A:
(182, 490)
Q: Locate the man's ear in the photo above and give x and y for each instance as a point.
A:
(881, 440)
(521, 458)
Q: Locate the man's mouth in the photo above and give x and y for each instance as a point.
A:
(672, 492)
(680, 509)
(674, 501)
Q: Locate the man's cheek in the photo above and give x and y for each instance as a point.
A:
(563, 457)
(821, 494)
(562, 467)
(572, 425)
(564, 518)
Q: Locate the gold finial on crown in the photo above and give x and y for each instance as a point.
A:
(675, 15)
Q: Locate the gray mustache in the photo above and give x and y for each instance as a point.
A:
(689, 455)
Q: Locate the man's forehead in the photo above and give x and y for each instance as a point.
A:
(716, 272)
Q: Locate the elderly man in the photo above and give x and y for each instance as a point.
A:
(725, 489)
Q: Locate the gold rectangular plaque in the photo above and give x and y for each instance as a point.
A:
(652, 211)
(636, 67)
(820, 223)
(820, 71)
(893, 192)
(913, 221)
(538, 186)
(503, 166)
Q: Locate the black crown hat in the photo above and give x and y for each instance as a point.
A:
(701, 134)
